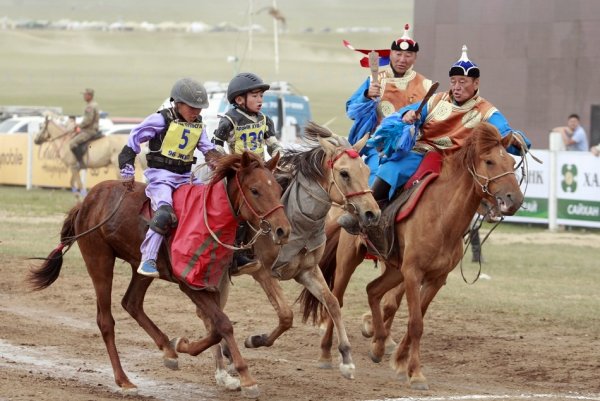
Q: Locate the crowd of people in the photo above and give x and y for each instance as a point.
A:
(386, 107)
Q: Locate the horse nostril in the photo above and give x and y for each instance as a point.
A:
(280, 232)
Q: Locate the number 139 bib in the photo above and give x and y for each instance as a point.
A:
(250, 137)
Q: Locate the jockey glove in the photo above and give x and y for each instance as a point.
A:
(128, 172)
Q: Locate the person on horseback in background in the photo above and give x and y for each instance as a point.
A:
(445, 123)
(87, 128)
(173, 135)
(245, 128)
(398, 85)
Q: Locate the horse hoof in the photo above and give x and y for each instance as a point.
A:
(347, 370)
(251, 391)
(171, 363)
(374, 358)
(390, 347)
(256, 341)
(367, 325)
(224, 379)
(325, 365)
(419, 385)
(129, 388)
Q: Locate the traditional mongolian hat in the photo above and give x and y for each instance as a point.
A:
(405, 42)
(464, 66)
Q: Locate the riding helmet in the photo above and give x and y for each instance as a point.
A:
(190, 92)
(243, 83)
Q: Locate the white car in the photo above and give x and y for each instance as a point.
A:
(119, 129)
(21, 125)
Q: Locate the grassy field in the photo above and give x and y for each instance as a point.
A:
(132, 72)
(534, 275)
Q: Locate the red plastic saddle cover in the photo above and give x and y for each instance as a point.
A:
(196, 257)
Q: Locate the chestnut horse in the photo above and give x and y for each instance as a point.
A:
(427, 245)
(100, 152)
(107, 225)
(330, 172)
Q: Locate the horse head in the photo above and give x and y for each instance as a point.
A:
(255, 193)
(50, 130)
(493, 169)
(348, 175)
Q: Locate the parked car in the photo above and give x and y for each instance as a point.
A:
(119, 129)
(21, 125)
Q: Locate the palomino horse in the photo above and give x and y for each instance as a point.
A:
(108, 225)
(100, 152)
(330, 172)
(427, 244)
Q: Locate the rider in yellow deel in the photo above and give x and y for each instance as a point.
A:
(245, 128)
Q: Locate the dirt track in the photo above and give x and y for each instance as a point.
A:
(51, 349)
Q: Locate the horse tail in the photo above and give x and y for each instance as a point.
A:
(311, 306)
(43, 276)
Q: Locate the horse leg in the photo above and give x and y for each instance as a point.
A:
(100, 262)
(400, 360)
(76, 184)
(314, 282)
(133, 303)
(390, 304)
(348, 259)
(220, 327)
(285, 314)
(376, 289)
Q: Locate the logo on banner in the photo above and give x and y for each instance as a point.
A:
(568, 183)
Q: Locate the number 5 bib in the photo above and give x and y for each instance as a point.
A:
(180, 140)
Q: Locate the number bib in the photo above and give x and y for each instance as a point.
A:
(250, 137)
(180, 140)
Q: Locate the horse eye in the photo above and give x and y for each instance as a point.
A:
(344, 174)
(489, 162)
(254, 191)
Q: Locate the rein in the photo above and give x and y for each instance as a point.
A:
(346, 206)
(263, 228)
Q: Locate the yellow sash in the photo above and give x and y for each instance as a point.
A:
(250, 137)
(180, 140)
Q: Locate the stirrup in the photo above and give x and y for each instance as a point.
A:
(148, 268)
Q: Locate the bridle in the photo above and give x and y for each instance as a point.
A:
(264, 227)
(346, 205)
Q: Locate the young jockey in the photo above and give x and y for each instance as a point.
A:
(245, 128)
(173, 135)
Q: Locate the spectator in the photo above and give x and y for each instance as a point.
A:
(573, 135)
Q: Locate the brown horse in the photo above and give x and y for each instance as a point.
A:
(107, 225)
(427, 245)
(328, 172)
(100, 152)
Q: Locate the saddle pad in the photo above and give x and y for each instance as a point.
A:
(196, 257)
(428, 171)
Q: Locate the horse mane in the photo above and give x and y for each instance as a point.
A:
(484, 138)
(226, 166)
(307, 162)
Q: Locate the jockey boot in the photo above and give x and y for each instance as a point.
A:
(381, 191)
(241, 262)
(476, 247)
(148, 268)
(78, 151)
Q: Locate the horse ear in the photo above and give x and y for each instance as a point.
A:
(272, 163)
(361, 144)
(508, 140)
(245, 161)
(327, 146)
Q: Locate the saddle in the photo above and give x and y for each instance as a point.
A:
(380, 239)
(197, 260)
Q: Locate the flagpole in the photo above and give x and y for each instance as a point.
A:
(276, 40)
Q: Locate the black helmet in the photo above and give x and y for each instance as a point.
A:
(244, 83)
(190, 92)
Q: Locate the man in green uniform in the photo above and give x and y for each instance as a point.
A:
(87, 128)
